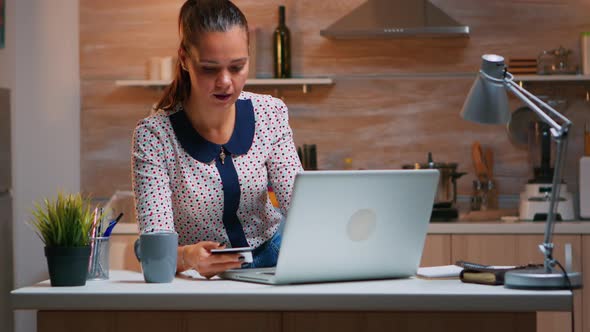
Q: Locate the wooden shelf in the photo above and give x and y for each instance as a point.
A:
(551, 78)
(142, 83)
(303, 82)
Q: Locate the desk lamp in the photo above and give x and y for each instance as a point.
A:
(487, 103)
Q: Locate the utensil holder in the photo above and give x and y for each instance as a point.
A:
(98, 267)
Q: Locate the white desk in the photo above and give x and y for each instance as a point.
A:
(128, 304)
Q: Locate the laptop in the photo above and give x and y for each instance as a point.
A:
(351, 225)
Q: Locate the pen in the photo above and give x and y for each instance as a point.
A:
(98, 233)
(93, 229)
(112, 225)
(118, 217)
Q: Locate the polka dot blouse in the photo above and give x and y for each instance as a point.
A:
(183, 182)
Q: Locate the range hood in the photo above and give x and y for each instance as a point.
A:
(396, 18)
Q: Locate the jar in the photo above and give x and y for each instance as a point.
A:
(555, 61)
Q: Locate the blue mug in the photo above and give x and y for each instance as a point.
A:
(157, 253)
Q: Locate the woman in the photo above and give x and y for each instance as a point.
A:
(202, 163)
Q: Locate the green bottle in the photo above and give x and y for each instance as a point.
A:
(282, 47)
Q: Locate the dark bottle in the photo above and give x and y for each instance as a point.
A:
(282, 47)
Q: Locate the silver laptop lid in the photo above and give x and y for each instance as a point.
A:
(351, 225)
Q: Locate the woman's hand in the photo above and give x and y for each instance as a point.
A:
(198, 256)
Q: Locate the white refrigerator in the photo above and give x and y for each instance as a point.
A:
(6, 266)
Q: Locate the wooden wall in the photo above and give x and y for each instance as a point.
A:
(393, 100)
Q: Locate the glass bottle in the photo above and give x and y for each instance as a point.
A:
(282, 48)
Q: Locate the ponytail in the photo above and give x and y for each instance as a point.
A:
(178, 91)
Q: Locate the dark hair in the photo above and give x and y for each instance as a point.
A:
(196, 17)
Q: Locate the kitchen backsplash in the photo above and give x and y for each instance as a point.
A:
(392, 102)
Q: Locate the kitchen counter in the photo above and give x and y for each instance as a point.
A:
(491, 227)
(501, 227)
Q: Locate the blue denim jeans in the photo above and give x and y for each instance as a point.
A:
(267, 254)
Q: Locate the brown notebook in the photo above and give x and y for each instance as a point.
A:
(488, 274)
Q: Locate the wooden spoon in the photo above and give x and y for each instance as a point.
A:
(479, 164)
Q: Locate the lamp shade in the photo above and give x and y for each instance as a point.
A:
(487, 101)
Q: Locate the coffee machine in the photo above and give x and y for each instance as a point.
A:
(536, 197)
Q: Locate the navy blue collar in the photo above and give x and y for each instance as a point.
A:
(204, 151)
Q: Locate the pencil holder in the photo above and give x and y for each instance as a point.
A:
(98, 267)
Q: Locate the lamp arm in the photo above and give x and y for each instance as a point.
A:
(559, 133)
(547, 246)
(533, 102)
(545, 105)
(523, 95)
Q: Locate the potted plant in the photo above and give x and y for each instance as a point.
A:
(64, 225)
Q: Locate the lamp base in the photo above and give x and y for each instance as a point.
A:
(540, 279)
